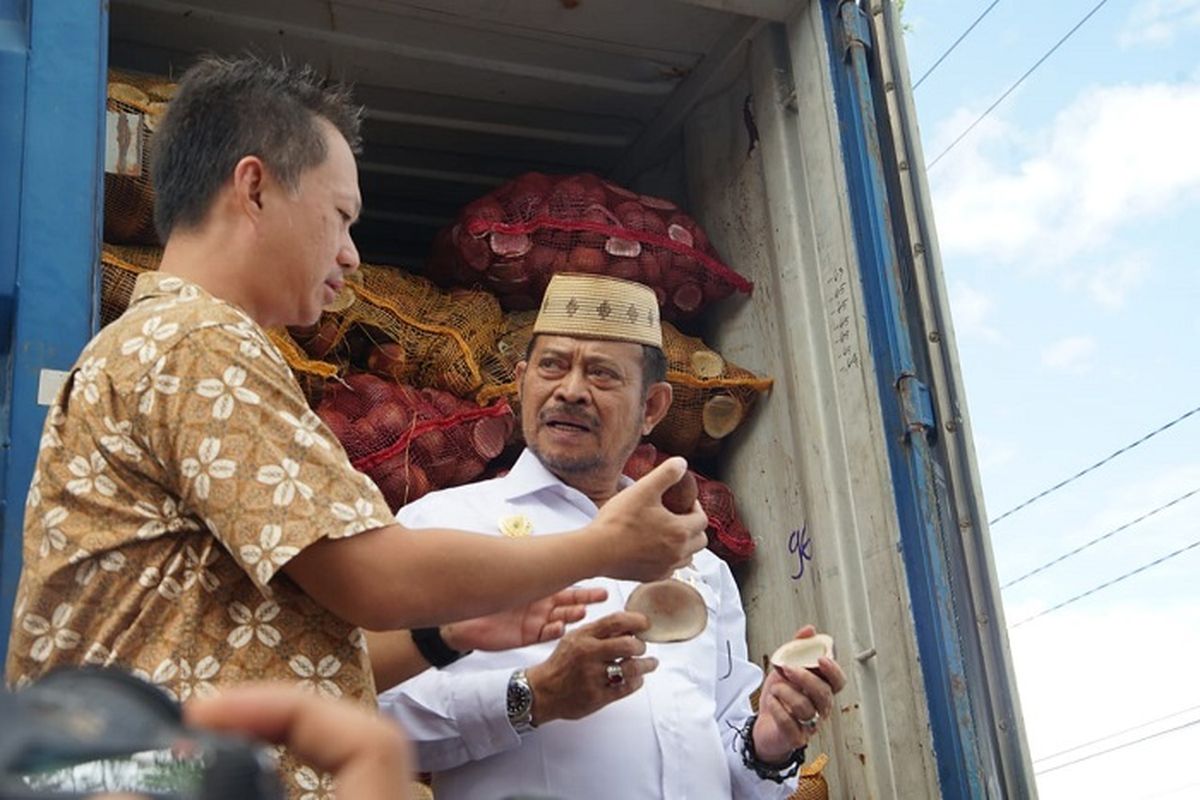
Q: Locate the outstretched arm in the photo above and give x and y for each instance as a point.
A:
(395, 658)
(394, 577)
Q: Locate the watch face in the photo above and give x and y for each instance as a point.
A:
(520, 698)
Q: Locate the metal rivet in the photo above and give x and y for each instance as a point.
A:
(935, 336)
(952, 425)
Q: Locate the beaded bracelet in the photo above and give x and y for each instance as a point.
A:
(770, 772)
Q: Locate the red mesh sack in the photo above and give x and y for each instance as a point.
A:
(514, 238)
(728, 537)
(411, 441)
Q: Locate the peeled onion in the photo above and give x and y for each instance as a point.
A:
(676, 610)
(804, 653)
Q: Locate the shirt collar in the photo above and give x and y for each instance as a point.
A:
(150, 285)
(154, 285)
(529, 476)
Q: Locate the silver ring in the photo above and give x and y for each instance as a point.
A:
(613, 674)
(811, 723)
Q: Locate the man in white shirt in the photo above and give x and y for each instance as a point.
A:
(566, 720)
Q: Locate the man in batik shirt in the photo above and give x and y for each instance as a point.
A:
(190, 517)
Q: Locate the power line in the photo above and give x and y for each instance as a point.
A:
(950, 49)
(1012, 88)
(1119, 747)
(1099, 539)
(1107, 584)
(1099, 463)
(1121, 732)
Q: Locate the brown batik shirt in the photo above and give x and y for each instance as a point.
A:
(180, 469)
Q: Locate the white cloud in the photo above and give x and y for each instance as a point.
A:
(1112, 158)
(1072, 354)
(1158, 22)
(971, 308)
(1109, 284)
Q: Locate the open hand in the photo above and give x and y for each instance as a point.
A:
(540, 621)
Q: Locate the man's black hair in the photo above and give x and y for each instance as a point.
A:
(227, 109)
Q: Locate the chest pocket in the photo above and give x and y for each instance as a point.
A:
(692, 577)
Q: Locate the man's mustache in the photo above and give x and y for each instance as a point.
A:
(570, 414)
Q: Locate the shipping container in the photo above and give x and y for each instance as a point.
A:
(786, 127)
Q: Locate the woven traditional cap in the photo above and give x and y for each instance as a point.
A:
(599, 307)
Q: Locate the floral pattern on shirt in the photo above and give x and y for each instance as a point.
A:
(180, 470)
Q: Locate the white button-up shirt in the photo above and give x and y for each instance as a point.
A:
(674, 738)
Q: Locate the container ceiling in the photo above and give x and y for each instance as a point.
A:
(460, 95)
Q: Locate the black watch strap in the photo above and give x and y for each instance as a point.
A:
(433, 647)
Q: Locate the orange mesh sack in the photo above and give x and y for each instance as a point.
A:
(407, 329)
(514, 238)
(500, 363)
(135, 105)
(728, 536)
(712, 396)
(411, 441)
(119, 269)
(812, 784)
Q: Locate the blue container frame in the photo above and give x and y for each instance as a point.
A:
(965, 748)
(53, 67)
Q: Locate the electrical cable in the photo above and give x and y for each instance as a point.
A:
(1116, 734)
(1107, 584)
(1099, 463)
(1012, 88)
(1099, 539)
(1119, 747)
(950, 49)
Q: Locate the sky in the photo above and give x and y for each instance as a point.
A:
(1069, 227)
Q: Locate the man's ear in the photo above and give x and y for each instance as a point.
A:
(518, 374)
(249, 180)
(658, 401)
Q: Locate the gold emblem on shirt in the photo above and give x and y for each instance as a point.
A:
(516, 526)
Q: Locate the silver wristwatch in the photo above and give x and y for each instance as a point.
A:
(520, 702)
